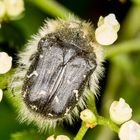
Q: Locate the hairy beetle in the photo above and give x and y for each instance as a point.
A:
(55, 68)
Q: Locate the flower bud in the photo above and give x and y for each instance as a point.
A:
(112, 21)
(14, 7)
(106, 33)
(59, 137)
(120, 111)
(1, 95)
(129, 131)
(62, 137)
(2, 10)
(5, 62)
(89, 118)
(51, 138)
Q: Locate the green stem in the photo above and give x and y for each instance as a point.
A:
(101, 121)
(82, 131)
(91, 101)
(52, 7)
(109, 123)
(124, 47)
(92, 106)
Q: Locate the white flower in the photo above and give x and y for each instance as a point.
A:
(14, 7)
(59, 137)
(62, 137)
(1, 95)
(120, 111)
(130, 131)
(89, 118)
(5, 62)
(2, 10)
(106, 33)
(10, 9)
(112, 21)
(51, 138)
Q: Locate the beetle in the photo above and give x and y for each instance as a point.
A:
(53, 71)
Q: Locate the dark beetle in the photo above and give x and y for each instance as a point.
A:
(58, 64)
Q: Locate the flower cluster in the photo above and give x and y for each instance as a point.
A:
(10, 9)
(106, 32)
(121, 113)
(5, 66)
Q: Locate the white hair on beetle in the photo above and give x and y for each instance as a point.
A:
(51, 26)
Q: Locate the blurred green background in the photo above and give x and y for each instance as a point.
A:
(122, 74)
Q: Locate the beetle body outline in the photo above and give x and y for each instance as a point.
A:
(68, 31)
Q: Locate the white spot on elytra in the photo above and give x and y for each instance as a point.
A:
(42, 92)
(68, 81)
(33, 73)
(24, 94)
(75, 91)
(49, 114)
(76, 94)
(48, 71)
(67, 110)
(56, 99)
(41, 56)
(84, 76)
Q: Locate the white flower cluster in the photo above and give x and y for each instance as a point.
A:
(106, 32)
(121, 113)
(10, 9)
(59, 137)
(5, 66)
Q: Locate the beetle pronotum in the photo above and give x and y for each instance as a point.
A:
(53, 71)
